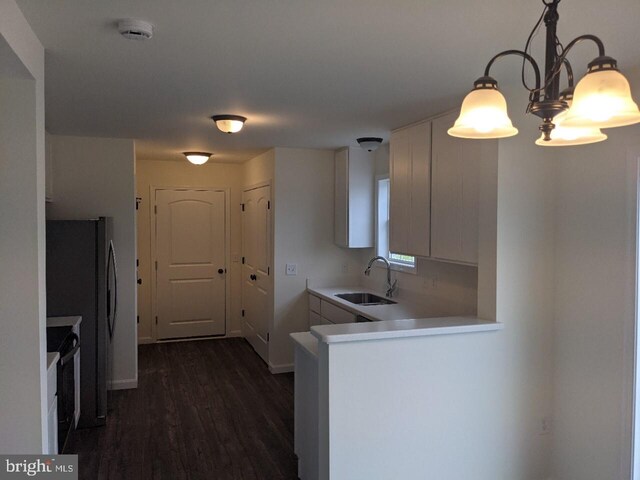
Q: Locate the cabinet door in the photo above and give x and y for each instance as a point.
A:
(360, 192)
(410, 179)
(341, 206)
(454, 189)
(314, 319)
(399, 198)
(420, 185)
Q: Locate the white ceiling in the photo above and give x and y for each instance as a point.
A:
(307, 73)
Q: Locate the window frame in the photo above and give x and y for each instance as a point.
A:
(395, 265)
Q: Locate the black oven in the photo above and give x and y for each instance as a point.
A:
(67, 343)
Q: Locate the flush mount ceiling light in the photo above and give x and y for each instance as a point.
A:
(197, 158)
(369, 143)
(133, 29)
(602, 98)
(229, 123)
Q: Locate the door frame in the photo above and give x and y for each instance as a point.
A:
(227, 251)
(270, 319)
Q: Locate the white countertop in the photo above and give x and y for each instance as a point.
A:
(411, 327)
(399, 310)
(64, 321)
(52, 359)
(402, 319)
(307, 341)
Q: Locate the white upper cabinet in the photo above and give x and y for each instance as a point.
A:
(454, 193)
(48, 167)
(410, 199)
(354, 198)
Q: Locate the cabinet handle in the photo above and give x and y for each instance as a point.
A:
(220, 271)
(253, 277)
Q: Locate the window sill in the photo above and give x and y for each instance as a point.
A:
(397, 267)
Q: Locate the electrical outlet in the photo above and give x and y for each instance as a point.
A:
(545, 425)
(292, 269)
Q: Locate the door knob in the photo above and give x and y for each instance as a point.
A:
(220, 271)
(139, 281)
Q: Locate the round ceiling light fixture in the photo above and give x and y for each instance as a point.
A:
(133, 29)
(369, 143)
(229, 123)
(197, 158)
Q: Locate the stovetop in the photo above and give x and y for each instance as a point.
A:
(56, 337)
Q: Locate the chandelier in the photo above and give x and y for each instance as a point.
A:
(573, 116)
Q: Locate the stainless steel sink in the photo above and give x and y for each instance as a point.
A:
(365, 299)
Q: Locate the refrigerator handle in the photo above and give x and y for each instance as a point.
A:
(111, 320)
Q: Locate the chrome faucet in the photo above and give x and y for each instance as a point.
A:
(391, 287)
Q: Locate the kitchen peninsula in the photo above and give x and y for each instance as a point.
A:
(362, 390)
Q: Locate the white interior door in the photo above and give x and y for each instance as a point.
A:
(191, 267)
(256, 268)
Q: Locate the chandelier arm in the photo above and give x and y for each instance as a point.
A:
(573, 43)
(567, 67)
(526, 56)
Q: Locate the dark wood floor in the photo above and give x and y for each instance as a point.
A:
(202, 410)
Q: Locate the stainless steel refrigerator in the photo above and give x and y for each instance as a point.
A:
(82, 280)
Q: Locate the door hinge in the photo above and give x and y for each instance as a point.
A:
(137, 262)
(268, 336)
(138, 200)
(137, 318)
(155, 209)
(243, 260)
(269, 205)
(242, 205)
(243, 312)
(268, 270)
(156, 264)
(156, 319)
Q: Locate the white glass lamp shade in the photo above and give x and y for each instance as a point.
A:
(483, 115)
(197, 158)
(229, 123)
(563, 136)
(602, 99)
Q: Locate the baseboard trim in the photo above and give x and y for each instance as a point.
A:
(286, 368)
(233, 334)
(123, 384)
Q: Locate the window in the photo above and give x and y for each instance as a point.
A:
(398, 261)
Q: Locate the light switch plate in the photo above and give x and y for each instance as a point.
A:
(292, 269)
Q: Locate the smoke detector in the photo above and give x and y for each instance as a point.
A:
(369, 143)
(135, 29)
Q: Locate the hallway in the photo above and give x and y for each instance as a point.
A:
(202, 410)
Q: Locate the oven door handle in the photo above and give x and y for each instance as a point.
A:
(69, 356)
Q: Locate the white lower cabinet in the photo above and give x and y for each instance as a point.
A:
(314, 318)
(306, 419)
(322, 312)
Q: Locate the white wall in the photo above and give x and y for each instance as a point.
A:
(303, 210)
(96, 177)
(23, 409)
(183, 174)
(595, 301)
(259, 169)
(525, 297)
